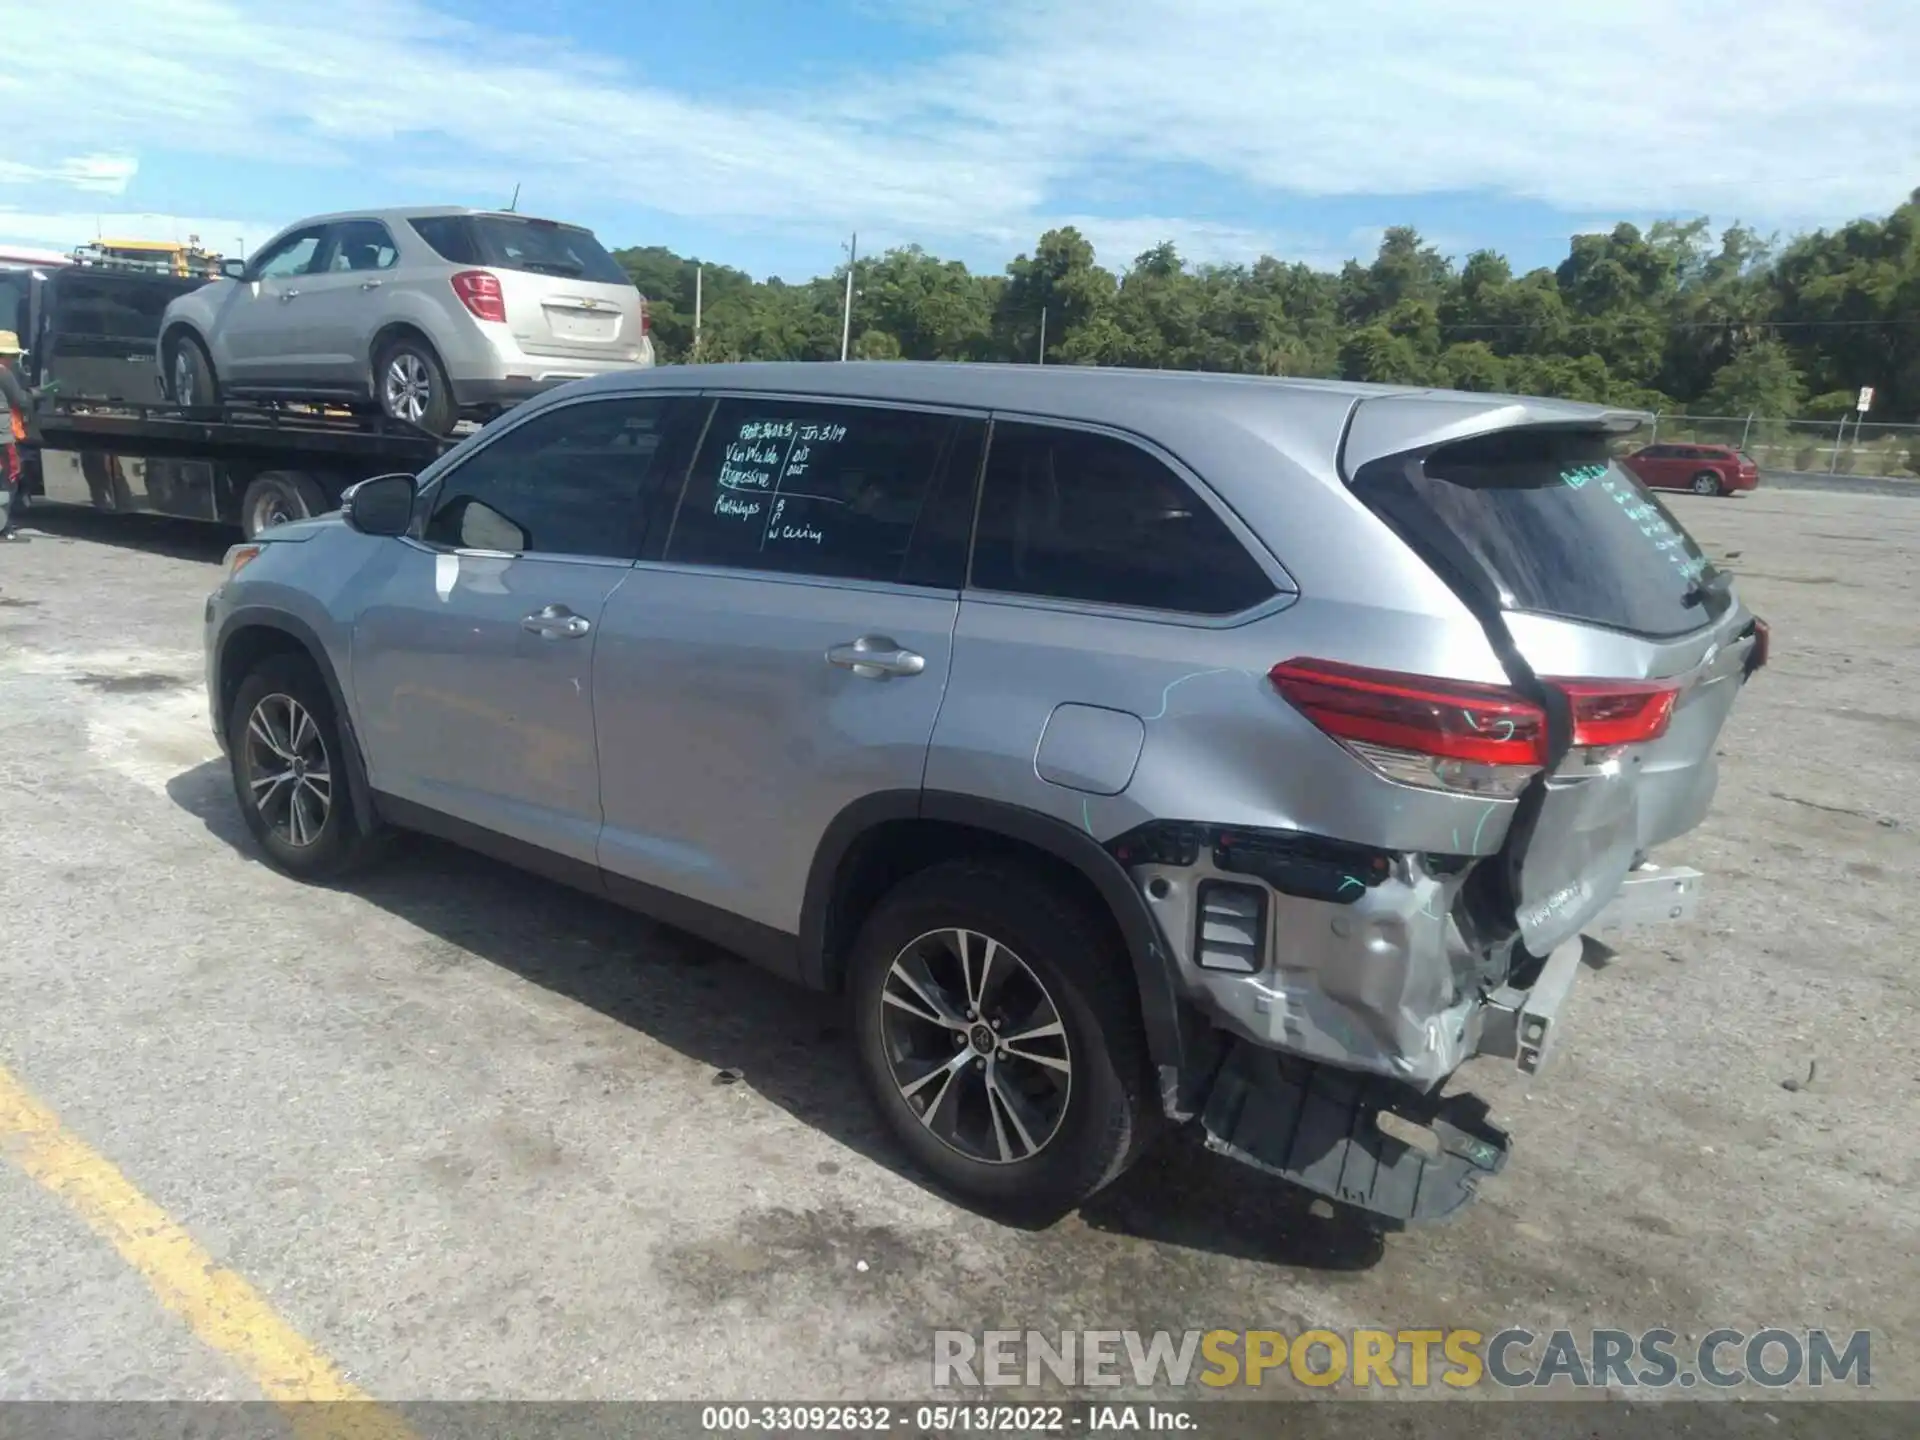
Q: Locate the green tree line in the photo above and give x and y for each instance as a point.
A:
(1672, 318)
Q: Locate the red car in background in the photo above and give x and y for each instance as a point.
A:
(1703, 469)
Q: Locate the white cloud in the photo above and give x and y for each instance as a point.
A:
(102, 174)
(1780, 112)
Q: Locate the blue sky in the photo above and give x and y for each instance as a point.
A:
(758, 133)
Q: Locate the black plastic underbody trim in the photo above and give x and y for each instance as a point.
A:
(1318, 1127)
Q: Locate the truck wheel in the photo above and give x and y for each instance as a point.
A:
(1706, 483)
(411, 385)
(994, 1031)
(190, 376)
(276, 497)
(290, 771)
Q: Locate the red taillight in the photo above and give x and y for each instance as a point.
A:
(479, 291)
(1438, 734)
(1618, 712)
(1762, 645)
(646, 320)
(1461, 737)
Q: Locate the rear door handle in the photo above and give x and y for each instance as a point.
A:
(286, 295)
(556, 622)
(369, 284)
(876, 657)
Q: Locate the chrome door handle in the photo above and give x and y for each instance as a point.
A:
(556, 622)
(369, 284)
(286, 295)
(876, 657)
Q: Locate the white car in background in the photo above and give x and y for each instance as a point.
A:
(429, 313)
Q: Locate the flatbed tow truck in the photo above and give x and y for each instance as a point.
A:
(104, 436)
(245, 466)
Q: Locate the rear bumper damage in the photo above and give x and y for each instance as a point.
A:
(1350, 1007)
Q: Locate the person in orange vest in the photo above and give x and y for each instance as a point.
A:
(19, 403)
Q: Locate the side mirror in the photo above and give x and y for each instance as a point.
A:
(380, 506)
(234, 269)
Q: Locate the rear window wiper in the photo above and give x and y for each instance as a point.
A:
(1701, 591)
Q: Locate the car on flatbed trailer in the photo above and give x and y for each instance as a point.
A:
(105, 438)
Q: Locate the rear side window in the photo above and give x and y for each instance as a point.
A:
(1072, 515)
(818, 489)
(449, 236)
(1552, 526)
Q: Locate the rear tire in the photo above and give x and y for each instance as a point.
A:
(289, 769)
(190, 375)
(410, 385)
(1706, 483)
(276, 497)
(1023, 1130)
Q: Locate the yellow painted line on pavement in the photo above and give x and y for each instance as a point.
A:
(221, 1308)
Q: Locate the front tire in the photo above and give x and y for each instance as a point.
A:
(411, 386)
(190, 375)
(995, 1034)
(289, 771)
(1706, 483)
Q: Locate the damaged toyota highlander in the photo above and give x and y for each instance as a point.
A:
(1126, 748)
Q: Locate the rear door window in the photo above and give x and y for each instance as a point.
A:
(1552, 526)
(840, 491)
(1075, 515)
(361, 245)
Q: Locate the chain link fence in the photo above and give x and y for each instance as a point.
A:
(1821, 447)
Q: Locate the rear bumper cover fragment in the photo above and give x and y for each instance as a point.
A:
(1317, 1127)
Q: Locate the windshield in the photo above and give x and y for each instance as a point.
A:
(545, 248)
(1557, 527)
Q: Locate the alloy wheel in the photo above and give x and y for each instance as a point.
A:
(184, 374)
(976, 1046)
(288, 774)
(408, 387)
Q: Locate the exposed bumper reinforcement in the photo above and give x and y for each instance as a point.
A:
(1318, 1127)
(1650, 895)
(1522, 1024)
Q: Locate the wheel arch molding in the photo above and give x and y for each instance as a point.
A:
(859, 856)
(247, 636)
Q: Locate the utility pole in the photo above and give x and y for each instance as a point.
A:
(699, 278)
(1043, 335)
(846, 315)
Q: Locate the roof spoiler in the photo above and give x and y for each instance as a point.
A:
(1395, 424)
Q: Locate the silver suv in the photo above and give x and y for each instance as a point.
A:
(428, 312)
(1127, 747)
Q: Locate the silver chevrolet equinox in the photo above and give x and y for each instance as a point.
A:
(1125, 747)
